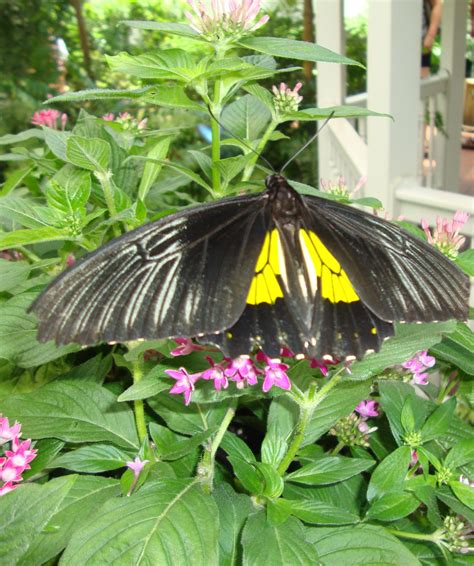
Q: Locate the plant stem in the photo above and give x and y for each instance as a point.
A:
(259, 149)
(307, 409)
(340, 445)
(206, 466)
(138, 407)
(413, 536)
(216, 155)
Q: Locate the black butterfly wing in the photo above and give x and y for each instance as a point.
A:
(398, 276)
(184, 275)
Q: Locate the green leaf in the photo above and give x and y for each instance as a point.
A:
(92, 154)
(32, 133)
(465, 261)
(167, 27)
(274, 448)
(13, 274)
(233, 511)
(276, 545)
(339, 402)
(47, 449)
(69, 190)
(73, 411)
(26, 212)
(273, 482)
(171, 446)
(33, 236)
(149, 386)
(407, 417)
(171, 96)
(56, 141)
(331, 469)
(93, 459)
(457, 347)
(25, 512)
(446, 496)
(409, 339)
(390, 474)
(14, 180)
(311, 114)
(460, 454)
(170, 64)
(77, 509)
(368, 201)
(439, 420)
(151, 170)
(99, 94)
(246, 117)
(463, 492)
(232, 166)
(166, 522)
(18, 335)
(247, 474)
(393, 506)
(293, 49)
(320, 513)
(235, 446)
(358, 545)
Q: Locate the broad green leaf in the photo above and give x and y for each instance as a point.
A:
(359, 545)
(47, 449)
(390, 474)
(18, 335)
(152, 169)
(261, 93)
(274, 448)
(233, 511)
(310, 114)
(32, 133)
(70, 190)
(282, 545)
(339, 402)
(187, 420)
(235, 446)
(463, 492)
(166, 522)
(93, 459)
(293, 49)
(91, 154)
(94, 369)
(282, 416)
(320, 513)
(393, 506)
(171, 96)
(25, 512)
(438, 422)
(33, 236)
(26, 212)
(14, 180)
(232, 166)
(278, 511)
(427, 495)
(247, 474)
(446, 496)
(99, 94)
(394, 395)
(78, 508)
(457, 348)
(56, 141)
(169, 64)
(246, 117)
(331, 469)
(409, 339)
(167, 27)
(273, 482)
(73, 411)
(407, 416)
(172, 446)
(368, 201)
(149, 386)
(465, 261)
(12, 274)
(460, 454)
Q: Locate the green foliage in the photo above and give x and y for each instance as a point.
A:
(238, 476)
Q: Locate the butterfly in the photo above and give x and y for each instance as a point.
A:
(269, 270)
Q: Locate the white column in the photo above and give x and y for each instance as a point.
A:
(393, 85)
(331, 78)
(453, 45)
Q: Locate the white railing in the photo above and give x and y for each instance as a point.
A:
(431, 137)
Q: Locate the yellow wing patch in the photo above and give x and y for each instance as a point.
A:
(265, 287)
(335, 285)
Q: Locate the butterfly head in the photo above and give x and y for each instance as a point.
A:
(285, 201)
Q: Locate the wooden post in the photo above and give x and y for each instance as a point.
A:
(331, 78)
(453, 45)
(394, 56)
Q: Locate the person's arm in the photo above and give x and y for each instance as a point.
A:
(435, 20)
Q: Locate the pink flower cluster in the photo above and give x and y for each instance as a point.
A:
(126, 120)
(418, 366)
(50, 118)
(223, 18)
(15, 460)
(366, 409)
(446, 237)
(243, 371)
(285, 98)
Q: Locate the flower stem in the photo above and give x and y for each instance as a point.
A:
(340, 445)
(206, 466)
(413, 536)
(307, 409)
(138, 406)
(259, 149)
(216, 155)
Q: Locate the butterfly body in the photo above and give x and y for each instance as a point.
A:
(268, 270)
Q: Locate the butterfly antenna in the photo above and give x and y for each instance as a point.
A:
(309, 142)
(259, 155)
